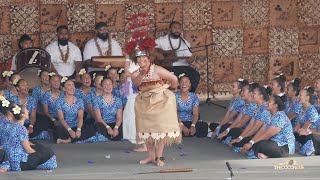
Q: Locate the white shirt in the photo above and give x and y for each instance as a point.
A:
(68, 68)
(183, 51)
(91, 50)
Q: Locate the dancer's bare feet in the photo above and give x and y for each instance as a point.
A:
(62, 141)
(141, 148)
(160, 161)
(148, 160)
(3, 170)
(262, 156)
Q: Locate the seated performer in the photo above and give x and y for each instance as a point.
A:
(293, 106)
(36, 124)
(278, 85)
(247, 113)
(108, 112)
(306, 120)
(24, 42)
(262, 117)
(235, 107)
(70, 110)
(50, 98)
(316, 100)
(101, 45)
(22, 154)
(65, 56)
(275, 139)
(39, 90)
(85, 93)
(11, 89)
(181, 48)
(4, 161)
(188, 110)
(97, 90)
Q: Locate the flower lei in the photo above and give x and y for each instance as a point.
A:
(108, 53)
(64, 57)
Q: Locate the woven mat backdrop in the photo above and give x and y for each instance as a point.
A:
(253, 39)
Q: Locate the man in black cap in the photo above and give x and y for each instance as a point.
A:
(101, 45)
(24, 42)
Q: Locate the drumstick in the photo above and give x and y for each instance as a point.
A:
(176, 170)
(169, 171)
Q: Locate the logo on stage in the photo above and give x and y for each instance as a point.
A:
(291, 164)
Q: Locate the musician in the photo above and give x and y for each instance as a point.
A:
(173, 41)
(65, 56)
(101, 45)
(24, 42)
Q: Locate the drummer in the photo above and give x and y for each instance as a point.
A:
(24, 42)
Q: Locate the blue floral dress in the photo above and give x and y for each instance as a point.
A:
(87, 98)
(285, 136)
(185, 108)
(70, 113)
(48, 100)
(108, 111)
(37, 94)
(295, 107)
(4, 131)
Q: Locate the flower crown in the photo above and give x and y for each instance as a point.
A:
(7, 73)
(120, 71)
(181, 75)
(16, 110)
(281, 94)
(15, 81)
(306, 88)
(64, 79)
(5, 103)
(139, 41)
(52, 74)
(240, 80)
(82, 71)
(107, 67)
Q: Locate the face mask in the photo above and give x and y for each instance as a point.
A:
(63, 42)
(103, 36)
(175, 35)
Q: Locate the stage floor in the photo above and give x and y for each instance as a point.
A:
(207, 158)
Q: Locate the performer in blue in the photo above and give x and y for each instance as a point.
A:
(11, 89)
(188, 110)
(36, 124)
(234, 109)
(275, 139)
(39, 90)
(307, 120)
(70, 110)
(293, 106)
(108, 112)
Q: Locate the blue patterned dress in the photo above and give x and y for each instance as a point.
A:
(315, 103)
(48, 100)
(87, 98)
(285, 136)
(108, 111)
(185, 108)
(37, 94)
(30, 104)
(4, 131)
(295, 107)
(7, 93)
(263, 114)
(70, 113)
(310, 115)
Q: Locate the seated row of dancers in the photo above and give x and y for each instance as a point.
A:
(269, 123)
(84, 114)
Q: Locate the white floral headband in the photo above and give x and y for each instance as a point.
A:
(181, 75)
(240, 80)
(82, 71)
(281, 74)
(52, 74)
(5, 103)
(107, 68)
(15, 81)
(120, 71)
(306, 88)
(7, 73)
(39, 72)
(265, 86)
(94, 75)
(64, 79)
(281, 94)
(16, 110)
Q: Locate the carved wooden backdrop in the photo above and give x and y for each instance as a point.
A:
(252, 39)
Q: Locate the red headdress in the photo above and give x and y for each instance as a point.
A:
(139, 41)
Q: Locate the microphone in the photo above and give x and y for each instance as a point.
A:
(230, 169)
(186, 44)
